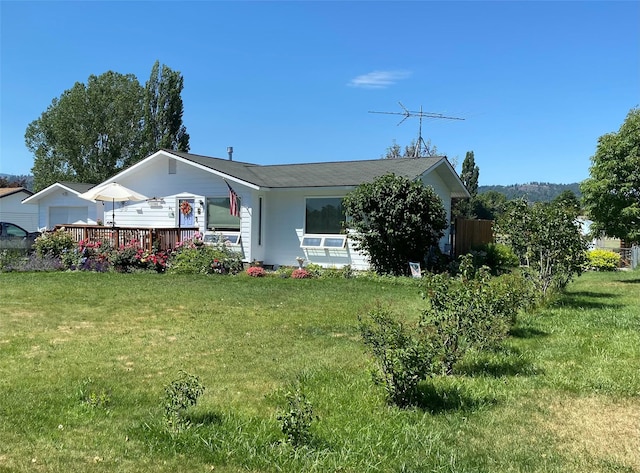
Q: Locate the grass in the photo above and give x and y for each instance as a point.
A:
(85, 358)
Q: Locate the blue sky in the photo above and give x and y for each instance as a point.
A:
(288, 82)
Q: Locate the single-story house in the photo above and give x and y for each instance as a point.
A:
(285, 211)
(60, 204)
(12, 210)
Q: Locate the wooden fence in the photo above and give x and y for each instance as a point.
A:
(470, 234)
(145, 238)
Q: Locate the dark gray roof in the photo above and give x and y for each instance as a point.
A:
(326, 174)
(79, 187)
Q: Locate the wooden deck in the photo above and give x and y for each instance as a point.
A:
(146, 238)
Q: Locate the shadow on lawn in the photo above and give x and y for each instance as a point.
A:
(585, 300)
(500, 368)
(526, 332)
(439, 399)
(630, 281)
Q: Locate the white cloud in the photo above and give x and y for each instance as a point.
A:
(378, 79)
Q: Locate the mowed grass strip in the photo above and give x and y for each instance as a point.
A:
(85, 357)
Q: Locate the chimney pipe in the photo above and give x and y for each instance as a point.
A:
(230, 151)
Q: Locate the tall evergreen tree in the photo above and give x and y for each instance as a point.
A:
(469, 176)
(163, 110)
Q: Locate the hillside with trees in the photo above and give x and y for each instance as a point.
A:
(533, 191)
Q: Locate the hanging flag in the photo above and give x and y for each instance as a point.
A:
(234, 208)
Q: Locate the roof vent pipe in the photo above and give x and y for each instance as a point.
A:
(230, 151)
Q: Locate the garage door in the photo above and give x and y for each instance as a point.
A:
(63, 215)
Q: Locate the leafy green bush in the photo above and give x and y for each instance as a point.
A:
(603, 260)
(402, 358)
(471, 311)
(204, 260)
(181, 394)
(499, 258)
(55, 244)
(296, 419)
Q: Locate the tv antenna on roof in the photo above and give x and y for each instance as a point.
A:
(406, 113)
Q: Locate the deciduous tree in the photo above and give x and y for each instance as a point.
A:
(547, 239)
(94, 130)
(611, 195)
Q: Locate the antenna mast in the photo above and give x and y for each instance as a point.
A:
(417, 152)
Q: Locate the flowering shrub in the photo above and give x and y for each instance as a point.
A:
(301, 274)
(54, 244)
(256, 272)
(94, 256)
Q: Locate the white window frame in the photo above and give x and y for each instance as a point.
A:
(322, 241)
(230, 239)
(325, 240)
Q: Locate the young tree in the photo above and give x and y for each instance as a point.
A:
(89, 133)
(611, 195)
(396, 221)
(163, 111)
(547, 239)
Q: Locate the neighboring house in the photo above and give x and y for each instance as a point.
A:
(59, 203)
(286, 211)
(12, 210)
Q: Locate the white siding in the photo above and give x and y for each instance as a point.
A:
(440, 188)
(187, 183)
(283, 222)
(12, 210)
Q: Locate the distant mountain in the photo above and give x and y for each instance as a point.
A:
(533, 191)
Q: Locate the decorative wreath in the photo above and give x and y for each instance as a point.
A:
(185, 208)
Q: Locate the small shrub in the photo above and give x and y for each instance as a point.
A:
(54, 244)
(296, 419)
(301, 274)
(204, 259)
(603, 260)
(284, 272)
(181, 394)
(402, 360)
(256, 272)
(315, 270)
(11, 260)
(499, 258)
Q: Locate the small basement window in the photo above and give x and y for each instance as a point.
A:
(320, 241)
(231, 239)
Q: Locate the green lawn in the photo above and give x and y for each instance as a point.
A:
(563, 395)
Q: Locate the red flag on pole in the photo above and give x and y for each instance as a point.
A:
(234, 209)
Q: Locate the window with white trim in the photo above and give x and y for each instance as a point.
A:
(226, 238)
(219, 217)
(324, 217)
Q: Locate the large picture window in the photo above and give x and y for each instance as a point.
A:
(219, 216)
(324, 215)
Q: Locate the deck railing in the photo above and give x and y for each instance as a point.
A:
(142, 237)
